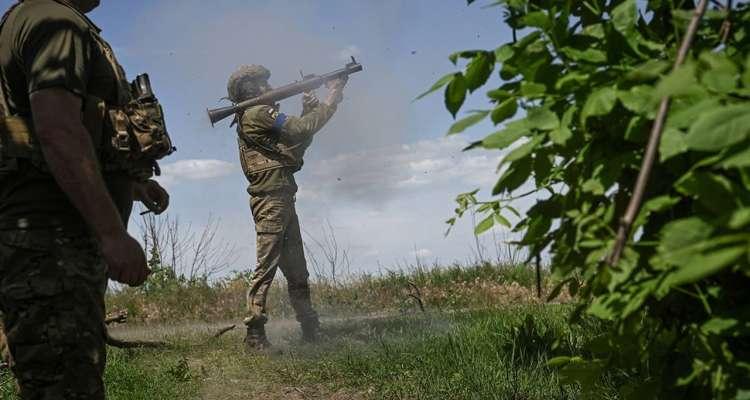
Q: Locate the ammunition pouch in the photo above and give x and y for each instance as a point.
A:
(17, 140)
(139, 132)
(255, 160)
(130, 138)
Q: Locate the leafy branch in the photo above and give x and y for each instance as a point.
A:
(626, 222)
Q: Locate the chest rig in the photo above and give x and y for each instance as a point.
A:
(256, 156)
(129, 134)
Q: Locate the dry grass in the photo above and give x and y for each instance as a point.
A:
(400, 291)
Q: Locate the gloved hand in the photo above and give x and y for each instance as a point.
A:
(152, 195)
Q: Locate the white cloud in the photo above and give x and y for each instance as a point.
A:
(379, 174)
(195, 170)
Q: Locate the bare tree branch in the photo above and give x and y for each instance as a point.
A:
(416, 294)
(136, 344)
(119, 317)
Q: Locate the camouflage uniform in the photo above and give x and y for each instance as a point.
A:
(272, 147)
(52, 277)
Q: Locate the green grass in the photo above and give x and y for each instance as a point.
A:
(138, 375)
(497, 354)
(141, 375)
(488, 354)
(446, 288)
(484, 336)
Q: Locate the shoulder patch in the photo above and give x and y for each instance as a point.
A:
(279, 120)
(273, 113)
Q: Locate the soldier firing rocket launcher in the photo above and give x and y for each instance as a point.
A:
(308, 83)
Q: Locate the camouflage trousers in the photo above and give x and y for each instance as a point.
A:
(52, 287)
(279, 246)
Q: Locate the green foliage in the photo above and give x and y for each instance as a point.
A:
(490, 354)
(588, 77)
(135, 375)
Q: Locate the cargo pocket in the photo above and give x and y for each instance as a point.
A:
(269, 227)
(271, 214)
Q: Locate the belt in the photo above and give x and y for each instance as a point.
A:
(42, 223)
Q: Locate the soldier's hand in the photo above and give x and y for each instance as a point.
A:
(152, 195)
(335, 91)
(309, 101)
(125, 259)
(337, 84)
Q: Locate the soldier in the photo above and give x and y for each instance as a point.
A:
(272, 146)
(68, 177)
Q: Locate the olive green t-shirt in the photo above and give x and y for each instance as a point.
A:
(45, 44)
(265, 126)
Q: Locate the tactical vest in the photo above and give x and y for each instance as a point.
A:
(257, 157)
(130, 135)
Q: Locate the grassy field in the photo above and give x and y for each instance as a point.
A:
(483, 335)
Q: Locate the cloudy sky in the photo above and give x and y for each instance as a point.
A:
(382, 173)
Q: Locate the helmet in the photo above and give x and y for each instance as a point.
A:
(245, 83)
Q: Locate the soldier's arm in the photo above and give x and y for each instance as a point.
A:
(56, 56)
(298, 129)
(69, 153)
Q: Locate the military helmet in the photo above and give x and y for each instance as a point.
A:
(246, 81)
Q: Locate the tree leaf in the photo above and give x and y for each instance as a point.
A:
(681, 82)
(437, 85)
(538, 19)
(715, 192)
(485, 225)
(740, 159)
(515, 176)
(719, 128)
(523, 150)
(684, 114)
(655, 205)
(532, 90)
(648, 71)
(624, 17)
(542, 119)
(740, 218)
(683, 232)
(506, 109)
(479, 69)
(499, 219)
(455, 94)
(639, 99)
(562, 134)
(600, 102)
(589, 55)
(463, 54)
(570, 81)
(672, 143)
(464, 123)
(505, 137)
(704, 265)
(504, 53)
(499, 95)
(721, 75)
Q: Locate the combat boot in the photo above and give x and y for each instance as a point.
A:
(256, 340)
(310, 329)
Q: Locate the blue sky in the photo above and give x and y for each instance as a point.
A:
(381, 173)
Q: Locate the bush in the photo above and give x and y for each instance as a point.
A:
(587, 79)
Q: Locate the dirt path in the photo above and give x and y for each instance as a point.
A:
(226, 372)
